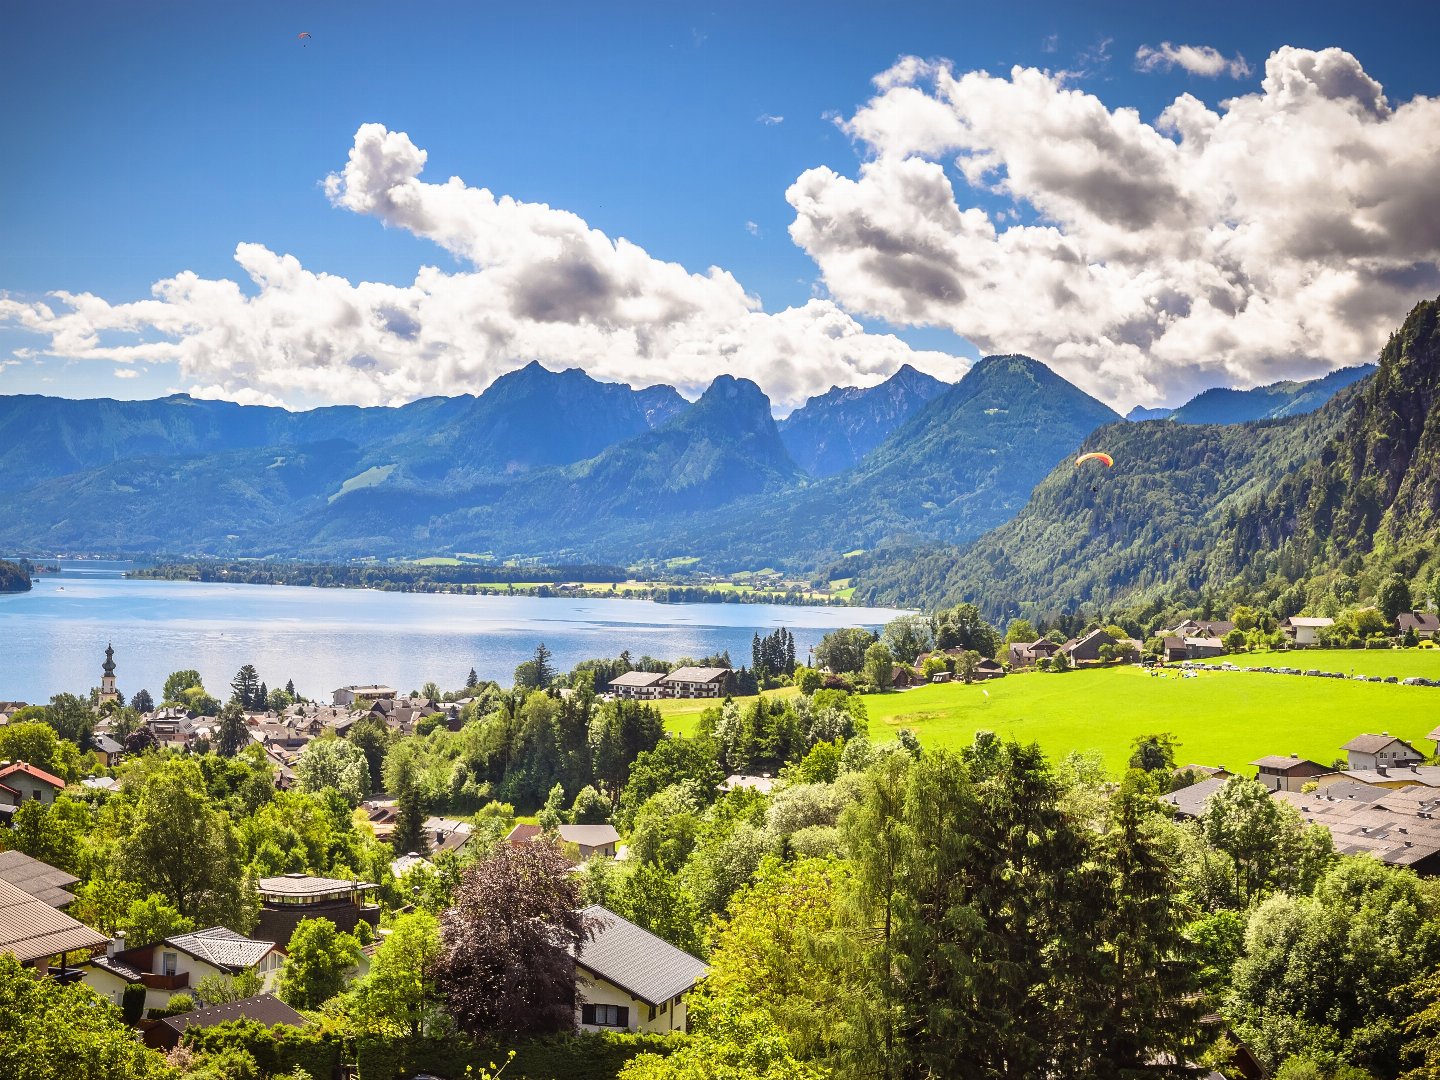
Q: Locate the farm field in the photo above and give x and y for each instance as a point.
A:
(1220, 717)
(1401, 663)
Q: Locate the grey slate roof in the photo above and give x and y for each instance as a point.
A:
(636, 960)
(221, 947)
(1190, 801)
(1285, 764)
(39, 879)
(106, 744)
(1373, 744)
(266, 1008)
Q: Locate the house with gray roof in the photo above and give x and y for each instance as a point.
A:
(1190, 802)
(33, 931)
(178, 963)
(639, 685)
(698, 682)
(44, 882)
(629, 979)
(1380, 751)
(1280, 773)
(264, 1009)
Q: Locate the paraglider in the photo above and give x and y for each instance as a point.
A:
(304, 38)
(1106, 458)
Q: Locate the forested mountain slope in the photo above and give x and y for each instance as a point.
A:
(1225, 406)
(832, 431)
(1291, 511)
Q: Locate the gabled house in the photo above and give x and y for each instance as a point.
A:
(1025, 654)
(1380, 751)
(1087, 648)
(1423, 623)
(699, 682)
(1216, 628)
(28, 782)
(107, 751)
(639, 685)
(590, 840)
(629, 979)
(989, 669)
(264, 1009)
(1303, 630)
(178, 963)
(1280, 773)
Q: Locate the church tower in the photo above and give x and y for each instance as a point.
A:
(107, 681)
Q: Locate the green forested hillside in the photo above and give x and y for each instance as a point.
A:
(1300, 512)
(13, 578)
(1223, 405)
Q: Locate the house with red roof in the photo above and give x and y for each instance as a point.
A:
(28, 782)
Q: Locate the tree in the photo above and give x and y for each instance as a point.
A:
(654, 899)
(589, 808)
(843, 650)
(506, 945)
(218, 989)
(879, 666)
(374, 738)
(1154, 753)
(1265, 840)
(1060, 662)
(278, 700)
(50, 1030)
(178, 683)
(38, 744)
(536, 673)
(1020, 630)
(731, 1039)
(967, 664)
(290, 689)
(907, 636)
(431, 691)
(232, 735)
(409, 834)
(1393, 597)
(72, 719)
(472, 680)
(182, 846)
(334, 765)
(319, 956)
(965, 627)
(400, 994)
(142, 702)
(245, 688)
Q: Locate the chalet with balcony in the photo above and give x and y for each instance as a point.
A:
(178, 963)
(1382, 751)
(699, 682)
(640, 685)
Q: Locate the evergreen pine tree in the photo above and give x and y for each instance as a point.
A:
(245, 686)
(232, 734)
(409, 834)
(472, 680)
(262, 698)
(290, 689)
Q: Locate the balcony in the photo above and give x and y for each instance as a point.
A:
(165, 982)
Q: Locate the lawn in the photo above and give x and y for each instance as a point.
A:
(1220, 717)
(682, 714)
(1399, 662)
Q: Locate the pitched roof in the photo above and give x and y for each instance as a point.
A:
(105, 744)
(636, 960)
(31, 928)
(222, 947)
(1398, 827)
(697, 674)
(266, 1008)
(39, 879)
(522, 832)
(1303, 620)
(39, 774)
(1205, 642)
(638, 678)
(589, 835)
(1418, 620)
(1373, 744)
(1285, 764)
(1190, 801)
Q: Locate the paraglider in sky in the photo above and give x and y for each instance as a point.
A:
(304, 38)
(1106, 458)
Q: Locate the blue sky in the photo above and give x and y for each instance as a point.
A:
(148, 140)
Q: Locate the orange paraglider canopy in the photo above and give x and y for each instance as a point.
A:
(1106, 458)
(302, 36)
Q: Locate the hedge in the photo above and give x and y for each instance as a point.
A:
(587, 1056)
(276, 1050)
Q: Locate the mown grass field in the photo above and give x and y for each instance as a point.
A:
(1225, 718)
(1401, 663)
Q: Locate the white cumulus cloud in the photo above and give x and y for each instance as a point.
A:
(127, 373)
(1205, 60)
(540, 284)
(1280, 235)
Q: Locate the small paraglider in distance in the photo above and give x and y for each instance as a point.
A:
(304, 38)
(1106, 459)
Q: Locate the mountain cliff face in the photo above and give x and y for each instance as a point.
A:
(1296, 512)
(834, 430)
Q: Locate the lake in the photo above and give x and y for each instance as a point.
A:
(52, 639)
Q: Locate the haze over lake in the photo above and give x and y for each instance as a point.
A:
(53, 638)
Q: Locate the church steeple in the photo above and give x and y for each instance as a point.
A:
(107, 681)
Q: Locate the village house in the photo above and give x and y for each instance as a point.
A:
(629, 979)
(1026, 654)
(1422, 622)
(1400, 828)
(1385, 776)
(264, 1009)
(288, 898)
(107, 751)
(736, 781)
(1191, 801)
(34, 932)
(588, 840)
(1280, 773)
(448, 834)
(1303, 630)
(1203, 628)
(699, 682)
(639, 685)
(348, 695)
(1380, 751)
(178, 963)
(1192, 648)
(28, 782)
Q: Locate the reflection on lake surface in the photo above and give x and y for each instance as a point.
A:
(52, 638)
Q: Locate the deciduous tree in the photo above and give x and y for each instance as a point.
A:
(318, 957)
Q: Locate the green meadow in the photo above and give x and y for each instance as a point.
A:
(1225, 718)
(1401, 663)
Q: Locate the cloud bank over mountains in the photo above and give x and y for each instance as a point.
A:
(1283, 235)
(1280, 234)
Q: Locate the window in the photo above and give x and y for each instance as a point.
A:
(664, 1008)
(167, 963)
(605, 1015)
(652, 1012)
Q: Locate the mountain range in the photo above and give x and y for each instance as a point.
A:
(554, 465)
(1224, 405)
(1299, 512)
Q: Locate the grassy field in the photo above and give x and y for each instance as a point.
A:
(1399, 662)
(682, 714)
(1220, 717)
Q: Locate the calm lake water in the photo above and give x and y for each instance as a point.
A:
(52, 638)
